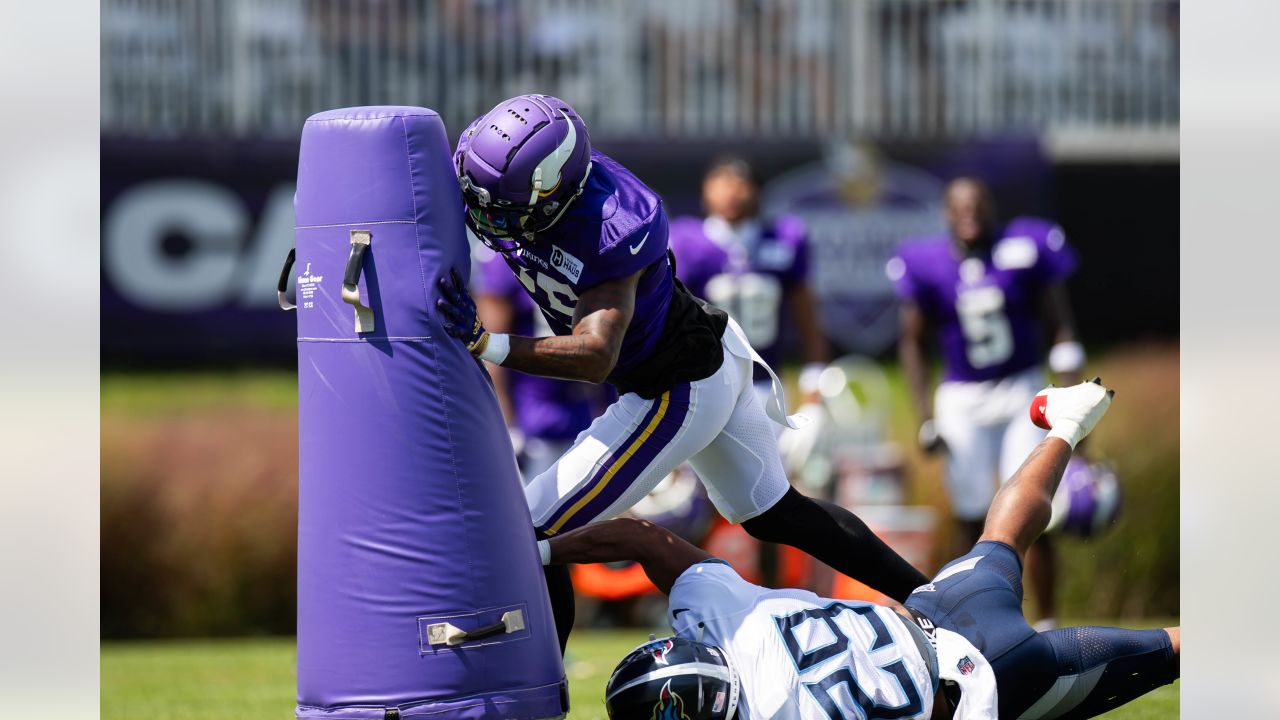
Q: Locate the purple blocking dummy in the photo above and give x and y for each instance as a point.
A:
(420, 592)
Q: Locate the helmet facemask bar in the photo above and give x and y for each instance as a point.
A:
(500, 227)
(507, 228)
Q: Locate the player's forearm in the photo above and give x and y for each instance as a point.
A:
(912, 356)
(1066, 356)
(580, 356)
(1020, 511)
(609, 541)
(805, 313)
(661, 554)
(914, 370)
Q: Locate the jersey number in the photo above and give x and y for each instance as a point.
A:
(753, 300)
(823, 690)
(559, 297)
(988, 338)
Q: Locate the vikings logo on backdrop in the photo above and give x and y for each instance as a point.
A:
(670, 705)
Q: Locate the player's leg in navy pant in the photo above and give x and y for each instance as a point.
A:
(1101, 668)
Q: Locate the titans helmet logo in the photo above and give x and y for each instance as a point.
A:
(670, 705)
(659, 651)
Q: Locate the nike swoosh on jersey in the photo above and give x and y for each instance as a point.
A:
(675, 612)
(636, 248)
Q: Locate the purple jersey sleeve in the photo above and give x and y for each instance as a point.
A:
(903, 269)
(1055, 260)
(691, 249)
(791, 232)
(628, 248)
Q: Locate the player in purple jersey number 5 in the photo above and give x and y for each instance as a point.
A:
(588, 242)
(992, 294)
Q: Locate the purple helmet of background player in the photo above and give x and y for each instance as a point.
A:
(520, 165)
(1088, 499)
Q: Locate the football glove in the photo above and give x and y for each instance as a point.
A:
(1070, 413)
(929, 439)
(458, 314)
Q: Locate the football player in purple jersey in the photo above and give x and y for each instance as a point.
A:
(588, 243)
(543, 414)
(756, 269)
(992, 295)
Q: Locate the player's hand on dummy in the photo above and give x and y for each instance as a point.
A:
(1070, 413)
(458, 314)
(930, 441)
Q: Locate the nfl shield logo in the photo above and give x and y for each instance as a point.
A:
(965, 666)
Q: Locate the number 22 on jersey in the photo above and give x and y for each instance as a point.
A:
(831, 683)
(549, 294)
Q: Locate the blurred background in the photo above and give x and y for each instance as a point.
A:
(854, 114)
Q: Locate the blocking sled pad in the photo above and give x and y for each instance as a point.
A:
(420, 592)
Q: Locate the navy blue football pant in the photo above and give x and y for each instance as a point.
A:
(1069, 673)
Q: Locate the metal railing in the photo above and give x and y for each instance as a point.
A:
(668, 68)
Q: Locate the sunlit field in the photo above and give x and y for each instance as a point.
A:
(252, 679)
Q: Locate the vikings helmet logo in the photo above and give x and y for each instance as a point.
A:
(659, 651)
(670, 705)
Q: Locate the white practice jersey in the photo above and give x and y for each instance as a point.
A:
(802, 657)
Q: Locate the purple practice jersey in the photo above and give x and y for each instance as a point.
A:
(746, 272)
(545, 408)
(616, 228)
(985, 304)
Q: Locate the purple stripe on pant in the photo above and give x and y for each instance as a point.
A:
(632, 467)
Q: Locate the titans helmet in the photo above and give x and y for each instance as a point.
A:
(1087, 500)
(673, 679)
(520, 165)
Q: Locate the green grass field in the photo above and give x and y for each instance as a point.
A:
(253, 679)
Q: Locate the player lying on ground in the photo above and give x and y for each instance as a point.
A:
(959, 649)
(588, 241)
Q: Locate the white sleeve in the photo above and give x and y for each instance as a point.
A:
(709, 590)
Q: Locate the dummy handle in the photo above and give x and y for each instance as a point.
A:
(448, 634)
(282, 287)
(351, 280)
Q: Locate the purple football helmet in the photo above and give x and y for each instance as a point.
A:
(520, 165)
(1088, 499)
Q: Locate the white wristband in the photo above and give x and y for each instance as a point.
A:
(809, 376)
(1069, 432)
(544, 551)
(497, 349)
(1066, 357)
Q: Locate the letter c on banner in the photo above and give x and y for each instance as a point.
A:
(212, 219)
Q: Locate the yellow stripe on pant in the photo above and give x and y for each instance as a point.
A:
(617, 465)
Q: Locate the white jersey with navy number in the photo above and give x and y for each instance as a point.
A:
(800, 656)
